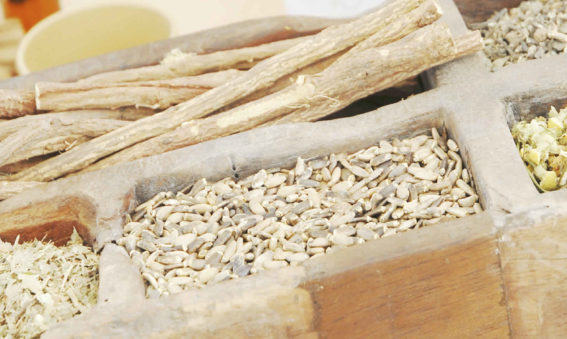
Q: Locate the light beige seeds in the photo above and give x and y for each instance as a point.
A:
(279, 217)
(42, 284)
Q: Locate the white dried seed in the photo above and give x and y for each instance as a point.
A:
(133, 226)
(180, 280)
(149, 278)
(174, 218)
(147, 246)
(359, 171)
(341, 219)
(422, 173)
(477, 208)
(185, 271)
(465, 187)
(365, 233)
(407, 224)
(315, 250)
(274, 264)
(319, 242)
(298, 257)
(326, 174)
(397, 213)
(457, 211)
(402, 192)
(163, 212)
(275, 180)
(292, 198)
(256, 207)
(254, 194)
(207, 274)
(335, 176)
(465, 176)
(314, 198)
(421, 154)
(260, 259)
(201, 208)
(457, 193)
(317, 164)
(468, 201)
(259, 179)
(341, 239)
(347, 230)
(299, 167)
(221, 188)
(293, 247)
(221, 276)
(273, 243)
(342, 186)
(452, 145)
(208, 237)
(284, 191)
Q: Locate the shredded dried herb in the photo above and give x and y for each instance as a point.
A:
(42, 284)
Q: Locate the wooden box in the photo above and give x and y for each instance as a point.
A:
(496, 274)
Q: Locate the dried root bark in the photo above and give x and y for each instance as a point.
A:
(8, 127)
(43, 135)
(188, 64)
(159, 94)
(369, 67)
(322, 45)
(312, 98)
(14, 103)
(331, 97)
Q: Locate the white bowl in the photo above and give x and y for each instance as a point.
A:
(82, 32)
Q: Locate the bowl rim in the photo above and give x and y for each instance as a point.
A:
(22, 68)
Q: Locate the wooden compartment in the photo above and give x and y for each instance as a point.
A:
(496, 274)
(478, 11)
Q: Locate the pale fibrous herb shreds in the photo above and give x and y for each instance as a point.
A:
(533, 30)
(542, 143)
(42, 284)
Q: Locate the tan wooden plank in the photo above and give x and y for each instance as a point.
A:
(267, 306)
(533, 263)
(480, 10)
(52, 220)
(441, 282)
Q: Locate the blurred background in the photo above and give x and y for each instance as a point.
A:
(192, 15)
(62, 31)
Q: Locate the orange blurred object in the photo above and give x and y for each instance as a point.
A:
(29, 11)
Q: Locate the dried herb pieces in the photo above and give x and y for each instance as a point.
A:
(543, 147)
(42, 284)
(533, 30)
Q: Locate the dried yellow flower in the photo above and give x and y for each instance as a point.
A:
(42, 284)
(542, 143)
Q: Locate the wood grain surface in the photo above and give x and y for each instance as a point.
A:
(442, 282)
(52, 220)
(534, 261)
(480, 10)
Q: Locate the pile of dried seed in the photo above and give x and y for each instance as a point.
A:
(42, 284)
(542, 143)
(212, 232)
(534, 29)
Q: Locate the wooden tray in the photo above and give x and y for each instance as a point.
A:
(496, 274)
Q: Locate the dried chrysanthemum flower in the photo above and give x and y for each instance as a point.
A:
(42, 284)
(542, 143)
